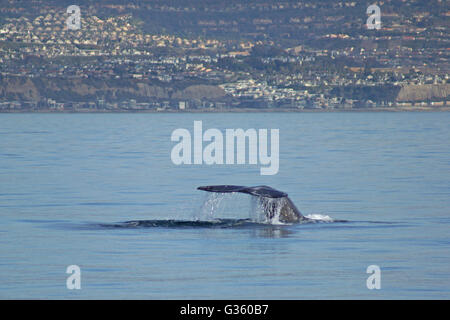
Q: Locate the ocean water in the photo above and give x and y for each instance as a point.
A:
(70, 182)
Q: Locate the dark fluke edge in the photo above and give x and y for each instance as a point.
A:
(266, 195)
(261, 191)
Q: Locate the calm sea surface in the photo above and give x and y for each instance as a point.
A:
(69, 181)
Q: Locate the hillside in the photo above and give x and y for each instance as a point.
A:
(424, 92)
(35, 89)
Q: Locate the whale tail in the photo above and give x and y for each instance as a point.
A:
(288, 212)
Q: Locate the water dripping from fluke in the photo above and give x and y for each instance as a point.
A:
(231, 210)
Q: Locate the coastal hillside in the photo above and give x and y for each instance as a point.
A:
(116, 90)
(424, 92)
(35, 89)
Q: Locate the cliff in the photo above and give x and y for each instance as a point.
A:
(424, 92)
(34, 89)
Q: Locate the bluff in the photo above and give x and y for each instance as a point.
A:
(424, 92)
(78, 89)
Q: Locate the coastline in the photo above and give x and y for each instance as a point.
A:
(243, 110)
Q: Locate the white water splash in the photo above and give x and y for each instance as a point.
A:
(231, 205)
(319, 217)
(210, 207)
(273, 205)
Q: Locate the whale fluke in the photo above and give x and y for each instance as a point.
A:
(261, 191)
(271, 201)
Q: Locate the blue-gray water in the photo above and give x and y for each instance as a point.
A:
(67, 179)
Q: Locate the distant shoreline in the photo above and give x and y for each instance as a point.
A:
(244, 110)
